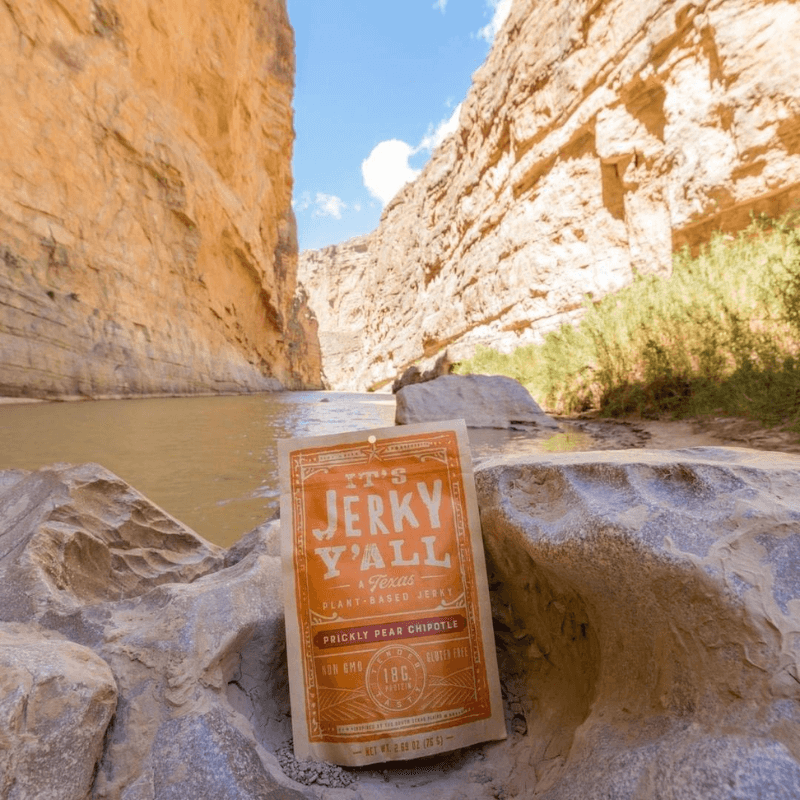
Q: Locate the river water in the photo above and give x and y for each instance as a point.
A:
(209, 461)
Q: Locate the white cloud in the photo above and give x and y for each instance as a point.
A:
(329, 205)
(386, 169)
(501, 9)
(441, 5)
(302, 203)
(433, 138)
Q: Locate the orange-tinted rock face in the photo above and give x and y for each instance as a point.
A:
(596, 139)
(147, 242)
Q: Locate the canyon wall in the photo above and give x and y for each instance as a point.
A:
(599, 137)
(147, 241)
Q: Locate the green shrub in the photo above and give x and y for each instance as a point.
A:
(720, 335)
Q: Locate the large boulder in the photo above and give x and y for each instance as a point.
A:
(193, 635)
(482, 401)
(77, 536)
(648, 603)
(56, 700)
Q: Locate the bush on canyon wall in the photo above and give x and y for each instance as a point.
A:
(721, 335)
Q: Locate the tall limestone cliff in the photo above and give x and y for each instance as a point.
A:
(598, 137)
(147, 241)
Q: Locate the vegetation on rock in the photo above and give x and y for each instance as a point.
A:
(721, 336)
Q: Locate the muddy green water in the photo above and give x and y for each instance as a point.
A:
(209, 461)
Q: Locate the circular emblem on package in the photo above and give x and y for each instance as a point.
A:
(395, 677)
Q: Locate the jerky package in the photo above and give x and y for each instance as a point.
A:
(388, 624)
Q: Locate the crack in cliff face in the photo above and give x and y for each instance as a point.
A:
(9, 5)
(106, 21)
(67, 14)
(644, 100)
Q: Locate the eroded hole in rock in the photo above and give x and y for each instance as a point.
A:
(548, 659)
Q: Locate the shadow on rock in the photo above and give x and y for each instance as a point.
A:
(643, 609)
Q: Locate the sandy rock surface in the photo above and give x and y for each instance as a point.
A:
(648, 602)
(646, 607)
(192, 635)
(482, 401)
(147, 241)
(56, 700)
(595, 140)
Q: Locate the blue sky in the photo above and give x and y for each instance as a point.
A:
(377, 83)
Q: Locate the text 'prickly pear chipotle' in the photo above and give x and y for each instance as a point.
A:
(388, 624)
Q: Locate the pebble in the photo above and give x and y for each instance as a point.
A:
(320, 773)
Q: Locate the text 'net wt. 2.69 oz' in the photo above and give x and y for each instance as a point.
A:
(388, 623)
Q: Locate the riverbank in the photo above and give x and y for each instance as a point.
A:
(671, 434)
(82, 398)
(14, 401)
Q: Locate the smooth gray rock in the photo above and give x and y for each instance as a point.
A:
(207, 756)
(649, 601)
(647, 614)
(197, 648)
(482, 401)
(56, 700)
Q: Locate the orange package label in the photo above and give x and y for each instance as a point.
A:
(390, 644)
